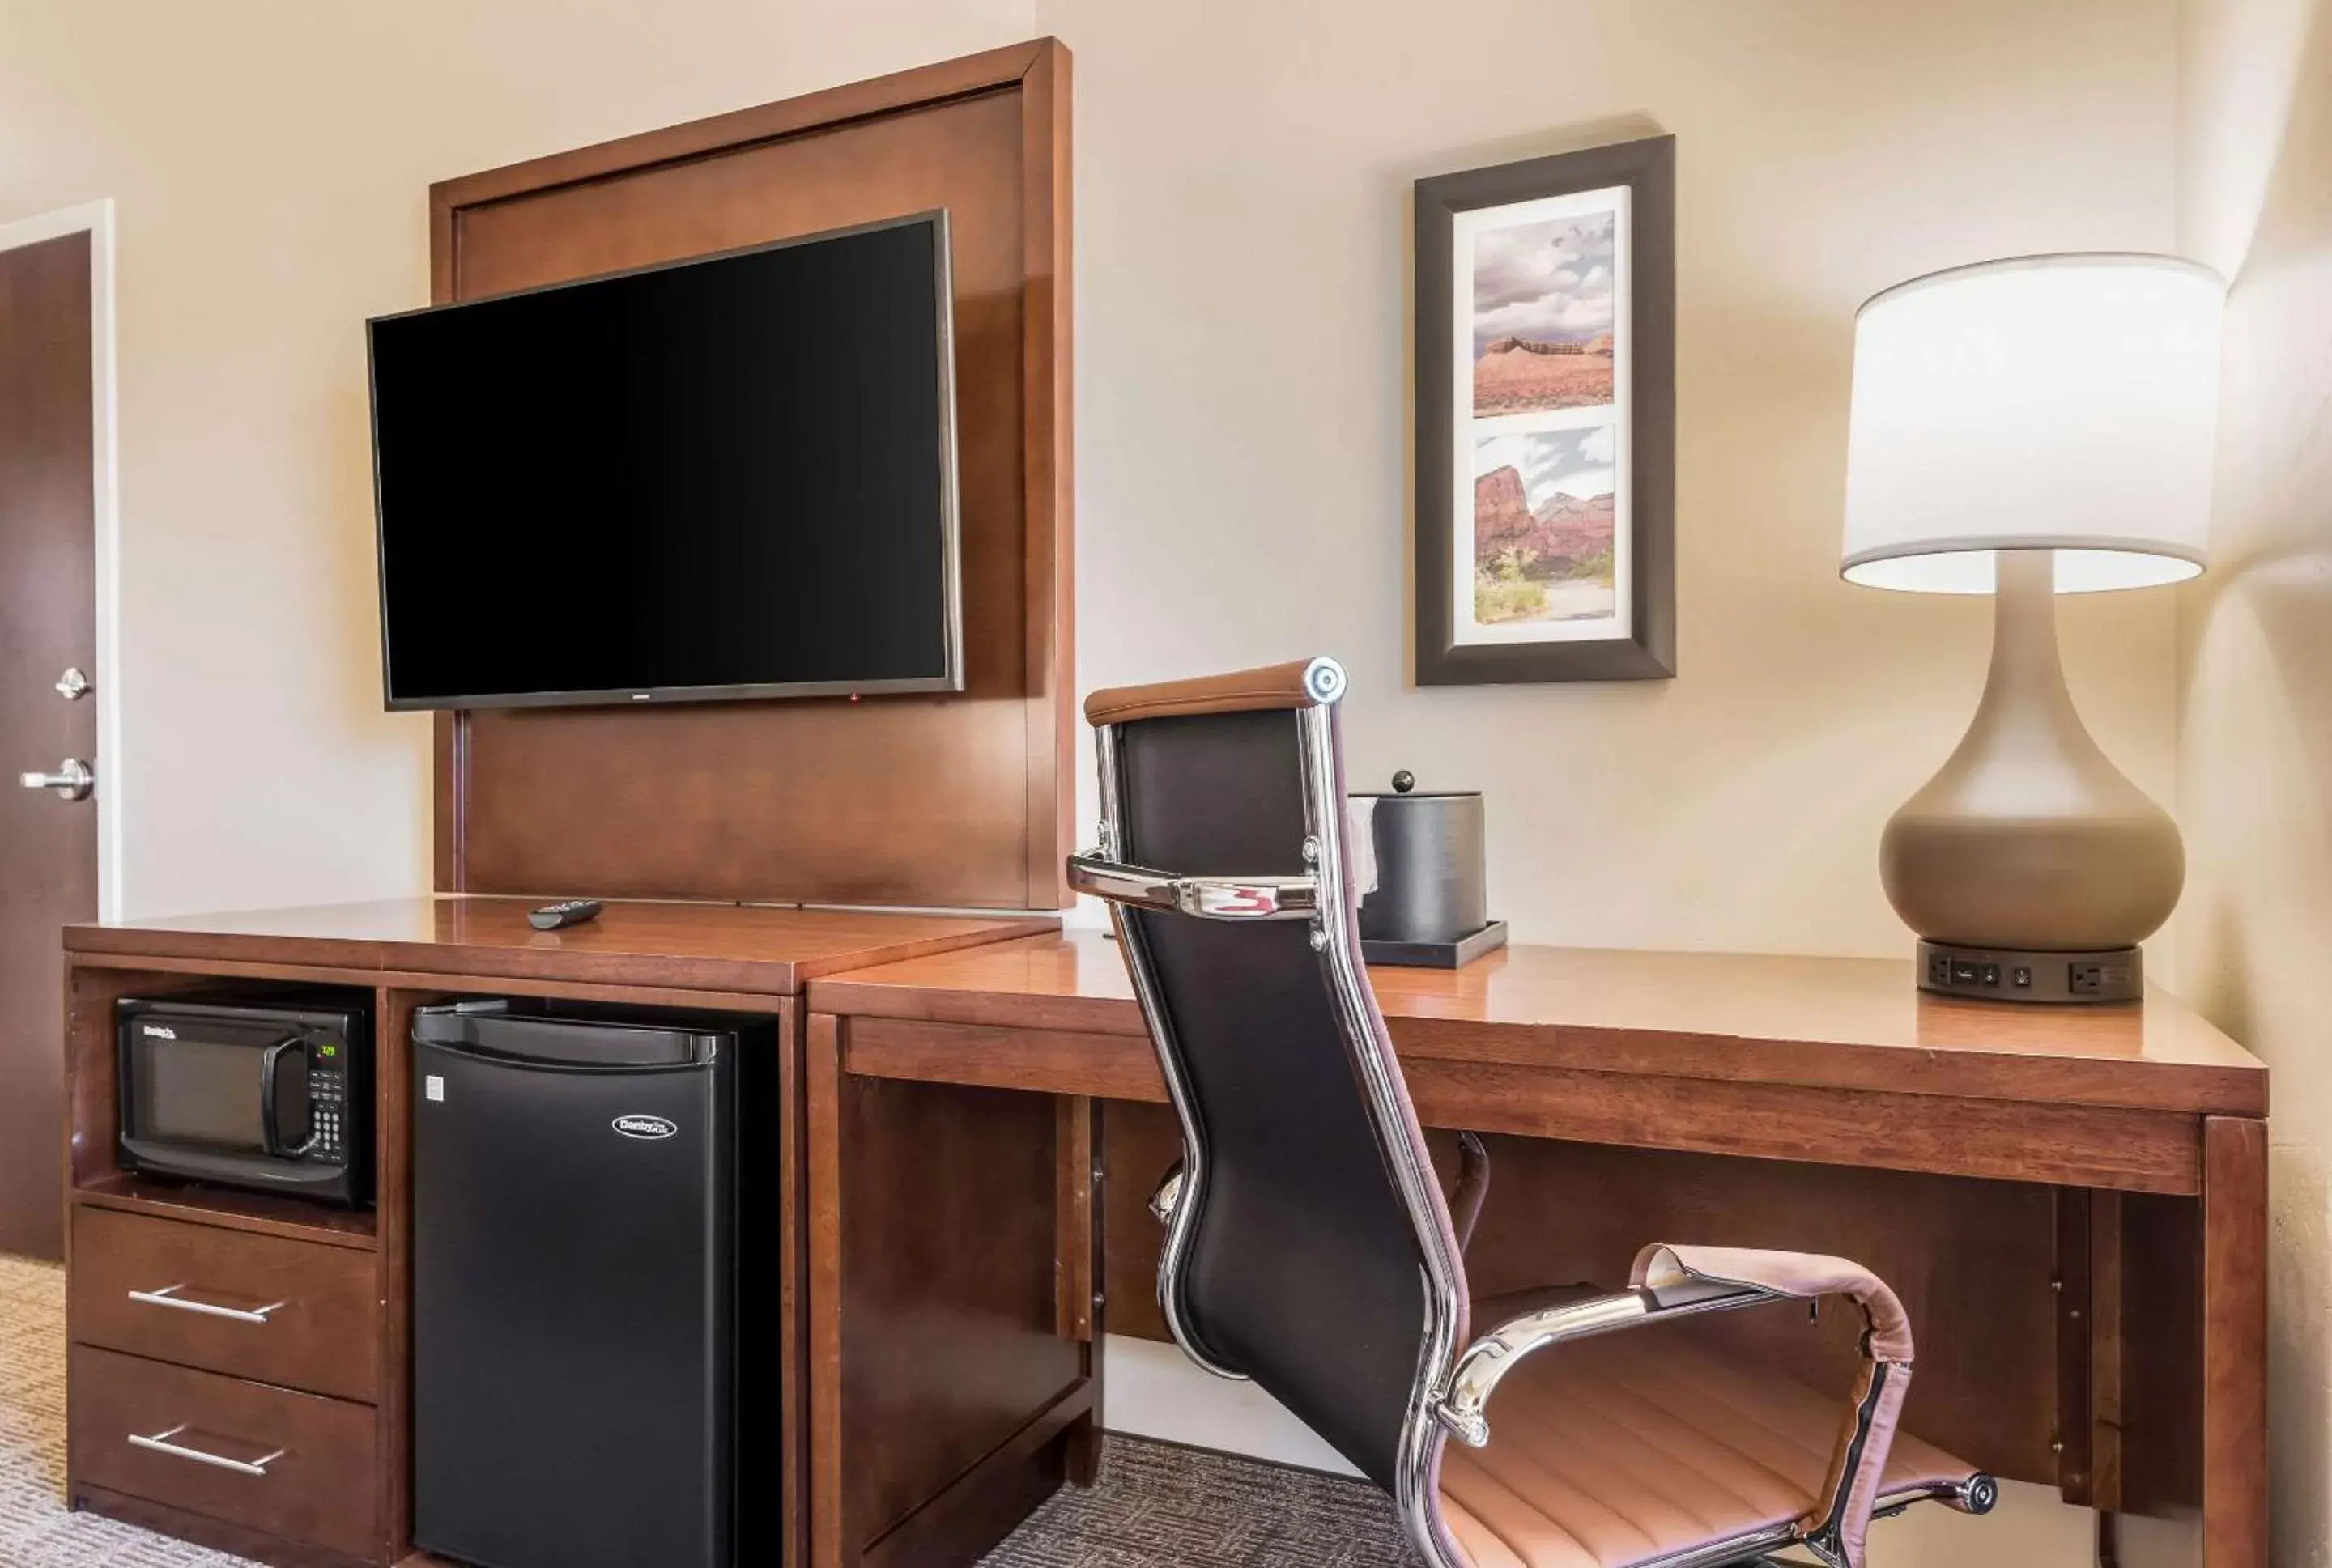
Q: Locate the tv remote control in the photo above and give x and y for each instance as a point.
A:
(573, 912)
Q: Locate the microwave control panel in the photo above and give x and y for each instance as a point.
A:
(328, 1101)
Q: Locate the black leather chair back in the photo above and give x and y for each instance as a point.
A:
(1303, 1270)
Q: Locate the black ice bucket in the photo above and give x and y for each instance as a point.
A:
(1428, 906)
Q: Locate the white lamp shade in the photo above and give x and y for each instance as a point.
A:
(2062, 402)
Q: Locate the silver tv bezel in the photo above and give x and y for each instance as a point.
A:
(951, 680)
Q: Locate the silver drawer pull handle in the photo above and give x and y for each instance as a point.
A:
(169, 1296)
(160, 1443)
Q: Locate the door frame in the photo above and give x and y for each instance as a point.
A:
(96, 220)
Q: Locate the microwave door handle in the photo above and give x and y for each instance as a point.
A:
(270, 1135)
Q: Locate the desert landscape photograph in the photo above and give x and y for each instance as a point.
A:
(1543, 303)
(1546, 324)
(1546, 538)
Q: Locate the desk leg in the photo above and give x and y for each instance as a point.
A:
(1077, 1270)
(822, 1095)
(950, 1352)
(2234, 1343)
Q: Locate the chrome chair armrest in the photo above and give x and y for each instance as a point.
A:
(1473, 1187)
(1209, 897)
(1485, 1362)
(1168, 1194)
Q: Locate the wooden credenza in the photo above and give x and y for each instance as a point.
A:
(277, 1425)
(2072, 1203)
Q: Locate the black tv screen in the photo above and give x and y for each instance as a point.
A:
(729, 477)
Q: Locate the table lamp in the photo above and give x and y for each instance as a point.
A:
(2025, 428)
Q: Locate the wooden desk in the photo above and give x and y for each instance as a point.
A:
(2072, 1202)
(743, 949)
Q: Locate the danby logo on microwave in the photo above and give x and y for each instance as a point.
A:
(649, 1127)
(156, 1031)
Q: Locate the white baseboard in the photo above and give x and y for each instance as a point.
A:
(1153, 1391)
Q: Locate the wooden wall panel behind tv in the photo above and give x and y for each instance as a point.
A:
(963, 800)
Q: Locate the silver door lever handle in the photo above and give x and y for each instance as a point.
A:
(72, 780)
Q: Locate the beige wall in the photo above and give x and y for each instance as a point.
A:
(1243, 174)
(1243, 360)
(2254, 943)
(1243, 170)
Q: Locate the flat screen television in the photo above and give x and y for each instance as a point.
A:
(730, 477)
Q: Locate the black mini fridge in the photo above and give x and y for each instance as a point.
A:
(591, 1190)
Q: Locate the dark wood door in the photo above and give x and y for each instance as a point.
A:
(48, 612)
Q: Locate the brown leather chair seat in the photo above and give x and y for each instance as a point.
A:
(1626, 1448)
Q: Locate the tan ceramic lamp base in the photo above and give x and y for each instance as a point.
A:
(2029, 842)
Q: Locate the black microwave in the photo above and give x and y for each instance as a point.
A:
(273, 1094)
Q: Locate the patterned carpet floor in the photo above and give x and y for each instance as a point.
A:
(1158, 1507)
(1155, 1508)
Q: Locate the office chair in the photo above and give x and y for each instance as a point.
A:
(1309, 1246)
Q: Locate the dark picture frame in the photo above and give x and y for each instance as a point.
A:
(1557, 477)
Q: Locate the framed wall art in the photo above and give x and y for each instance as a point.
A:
(1546, 418)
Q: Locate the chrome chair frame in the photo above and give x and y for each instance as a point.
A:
(1452, 1386)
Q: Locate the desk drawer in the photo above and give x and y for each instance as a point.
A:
(295, 1313)
(292, 1464)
